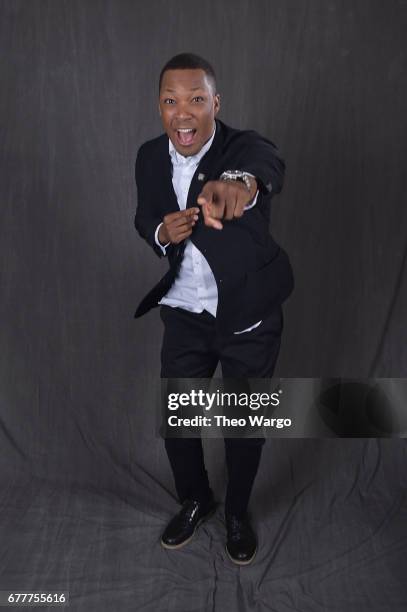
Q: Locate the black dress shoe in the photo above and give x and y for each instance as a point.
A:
(241, 544)
(183, 525)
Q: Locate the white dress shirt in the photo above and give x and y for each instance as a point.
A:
(194, 289)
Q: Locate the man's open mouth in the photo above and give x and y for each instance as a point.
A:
(186, 136)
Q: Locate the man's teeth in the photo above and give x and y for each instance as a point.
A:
(185, 130)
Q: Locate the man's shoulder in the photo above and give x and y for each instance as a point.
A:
(234, 137)
(153, 147)
(229, 133)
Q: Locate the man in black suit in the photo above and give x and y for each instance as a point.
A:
(204, 192)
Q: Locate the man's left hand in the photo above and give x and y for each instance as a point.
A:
(225, 200)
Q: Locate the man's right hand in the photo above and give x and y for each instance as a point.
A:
(177, 226)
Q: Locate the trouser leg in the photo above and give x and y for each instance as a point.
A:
(188, 467)
(187, 353)
(242, 460)
(248, 355)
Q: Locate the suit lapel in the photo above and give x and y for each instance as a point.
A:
(167, 189)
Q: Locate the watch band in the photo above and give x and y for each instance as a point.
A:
(237, 175)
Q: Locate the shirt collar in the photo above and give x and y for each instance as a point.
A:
(178, 159)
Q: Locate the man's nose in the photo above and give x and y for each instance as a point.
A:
(183, 111)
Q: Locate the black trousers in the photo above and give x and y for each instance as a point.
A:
(192, 348)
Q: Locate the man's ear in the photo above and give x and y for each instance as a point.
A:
(216, 103)
(159, 109)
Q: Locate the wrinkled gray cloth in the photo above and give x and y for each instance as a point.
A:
(86, 491)
(85, 485)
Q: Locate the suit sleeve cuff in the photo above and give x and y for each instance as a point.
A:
(264, 183)
(158, 243)
(252, 203)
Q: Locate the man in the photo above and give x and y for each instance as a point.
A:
(204, 192)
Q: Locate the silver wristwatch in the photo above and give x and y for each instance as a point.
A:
(237, 175)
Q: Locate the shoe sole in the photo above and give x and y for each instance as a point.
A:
(176, 546)
(240, 562)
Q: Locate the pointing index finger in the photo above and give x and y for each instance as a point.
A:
(206, 195)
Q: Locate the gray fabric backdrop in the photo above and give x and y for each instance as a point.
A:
(86, 488)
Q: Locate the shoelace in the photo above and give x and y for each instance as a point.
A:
(189, 510)
(237, 528)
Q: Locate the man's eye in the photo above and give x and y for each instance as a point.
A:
(198, 98)
(169, 101)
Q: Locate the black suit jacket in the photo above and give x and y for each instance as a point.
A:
(253, 274)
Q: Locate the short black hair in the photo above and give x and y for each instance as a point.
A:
(189, 61)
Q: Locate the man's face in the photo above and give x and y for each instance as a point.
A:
(188, 108)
